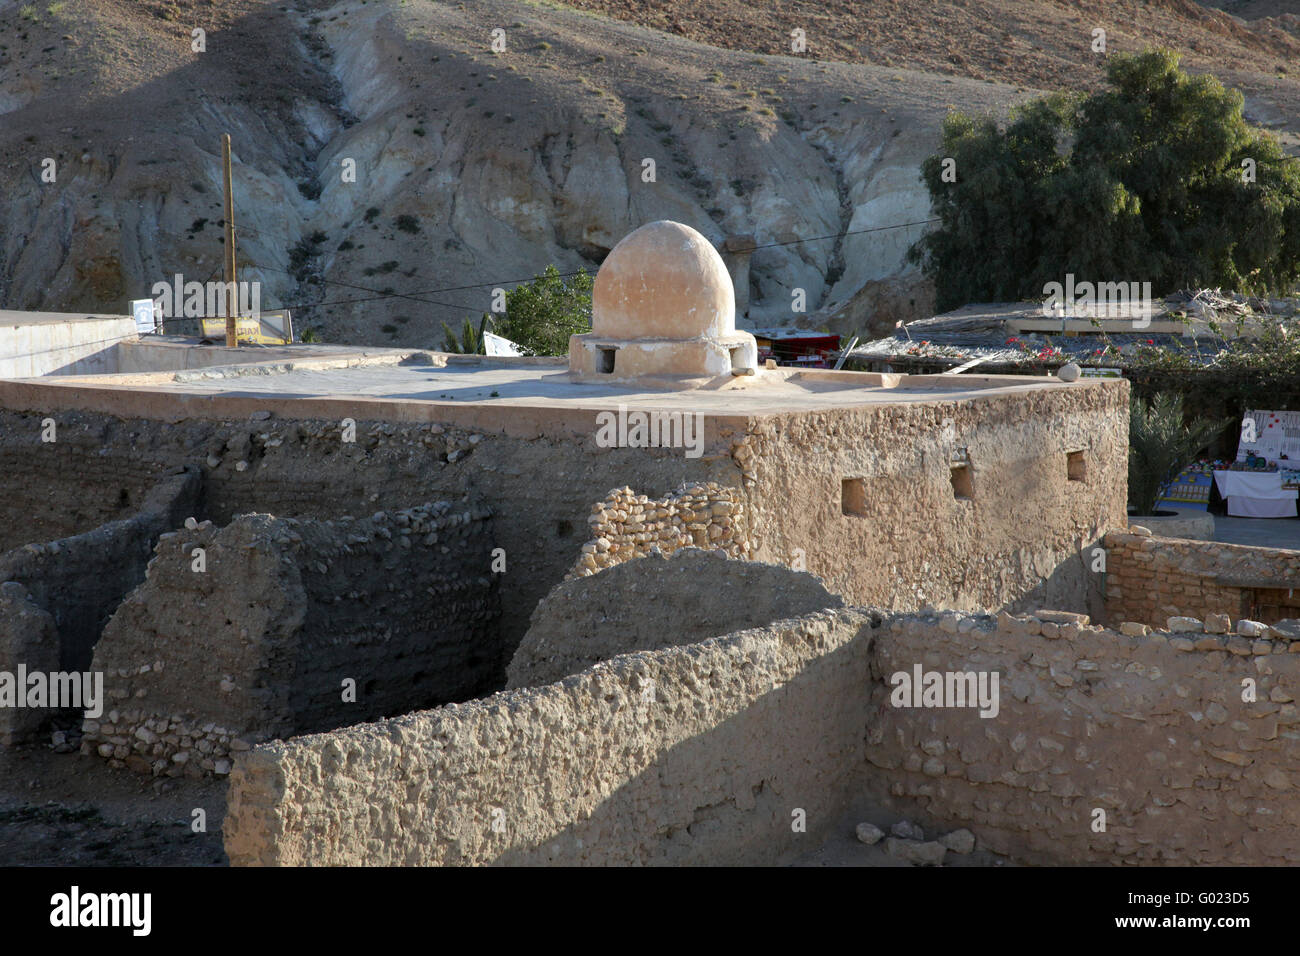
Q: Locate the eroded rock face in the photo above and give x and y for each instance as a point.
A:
(370, 157)
(655, 602)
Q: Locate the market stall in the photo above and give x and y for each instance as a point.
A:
(1264, 481)
(1256, 494)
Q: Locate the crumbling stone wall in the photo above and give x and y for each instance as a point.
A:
(706, 754)
(93, 473)
(653, 602)
(263, 641)
(28, 636)
(1150, 728)
(540, 487)
(81, 580)
(1151, 579)
(627, 525)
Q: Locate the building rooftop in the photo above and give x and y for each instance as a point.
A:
(396, 384)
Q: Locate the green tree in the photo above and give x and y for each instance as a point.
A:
(1160, 447)
(1143, 181)
(542, 314)
(470, 341)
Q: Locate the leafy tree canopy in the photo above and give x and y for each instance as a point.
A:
(1141, 182)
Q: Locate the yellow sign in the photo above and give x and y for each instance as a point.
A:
(270, 328)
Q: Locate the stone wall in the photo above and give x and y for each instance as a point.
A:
(1151, 729)
(706, 754)
(1151, 579)
(263, 641)
(653, 602)
(82, 579)
(865, 498)
(541, 488)
(627, 525)
(92, 473)
(28, 636)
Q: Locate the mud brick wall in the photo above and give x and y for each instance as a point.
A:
(541, 489)
(81, 580)
(258, 646)
(93, 473)
(1150, 728)
(1019, 541)
(1150, 579)
(27, 636)
(685, 755)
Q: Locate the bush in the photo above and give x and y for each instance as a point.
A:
(470, 341)
(542, 314)
(1140, 182)
(1161, 446)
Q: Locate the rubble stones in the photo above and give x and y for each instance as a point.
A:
(869, 833)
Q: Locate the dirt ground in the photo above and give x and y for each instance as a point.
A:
(72, 810)
(842, 847)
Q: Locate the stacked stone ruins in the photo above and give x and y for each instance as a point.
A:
(458, 625)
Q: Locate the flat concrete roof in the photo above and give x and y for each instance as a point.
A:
(17, 319)
(517, 396)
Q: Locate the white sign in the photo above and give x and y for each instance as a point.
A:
(1276, 436)
(500, 345)
(142, 311)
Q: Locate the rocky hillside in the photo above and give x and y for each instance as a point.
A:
(474, 168)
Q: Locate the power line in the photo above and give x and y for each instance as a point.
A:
(504, 282)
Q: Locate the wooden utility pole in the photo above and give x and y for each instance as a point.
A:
(232, 295)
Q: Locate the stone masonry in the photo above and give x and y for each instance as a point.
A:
(295, 626)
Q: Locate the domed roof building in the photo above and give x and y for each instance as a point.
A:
(663, 307)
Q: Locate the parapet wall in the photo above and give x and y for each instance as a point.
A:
(1150, 729)
(706, 754)
(45, 343)
(264, 640)
(1151, 579)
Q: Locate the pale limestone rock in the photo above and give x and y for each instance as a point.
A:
(916, 853)
(959, 841)
(869, 833)
(1217, 624)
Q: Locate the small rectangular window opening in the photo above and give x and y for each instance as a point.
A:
(853, 497)
(1076, 468)
(962, 487)
(606, 365)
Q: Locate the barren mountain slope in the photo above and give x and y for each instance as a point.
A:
(472, 168)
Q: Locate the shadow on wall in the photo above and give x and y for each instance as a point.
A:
(734, 750)
(762, 787)
(81, 580)
(296, 626)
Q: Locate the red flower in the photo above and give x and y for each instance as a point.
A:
(1012, 339)
(1151, 341)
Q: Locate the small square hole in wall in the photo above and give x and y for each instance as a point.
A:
(737, 358)
(853, 497)
(606, 363)
(962, 487)
(1075, 467)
